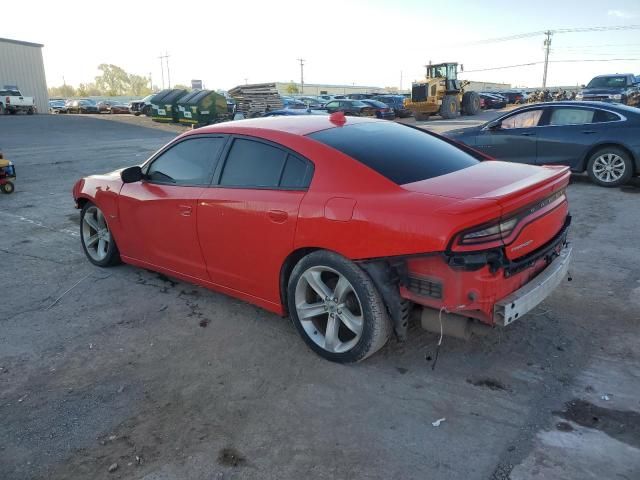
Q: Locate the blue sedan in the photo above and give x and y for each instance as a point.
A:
(601, 139)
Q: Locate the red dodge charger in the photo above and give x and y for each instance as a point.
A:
(346, 224)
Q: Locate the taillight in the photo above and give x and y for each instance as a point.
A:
(501, 229)
(489, 233)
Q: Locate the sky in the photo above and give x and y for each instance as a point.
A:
(362, 42)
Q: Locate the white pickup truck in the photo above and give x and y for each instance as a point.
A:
(12, 101)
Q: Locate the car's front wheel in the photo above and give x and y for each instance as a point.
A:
(336, 308)
(610, 167)
(97, 241)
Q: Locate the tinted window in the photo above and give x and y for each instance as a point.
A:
(608, 82)
(190, 162)
(526, 119)
(296, 174)
(332, 105)
(571, 116)
(604, 116)
(252, 164)
(400, 153)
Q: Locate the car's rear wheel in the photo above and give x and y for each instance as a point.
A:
(336, 308)
(610, 167)
(97, 241)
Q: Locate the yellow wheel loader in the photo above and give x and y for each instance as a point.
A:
(442, 93)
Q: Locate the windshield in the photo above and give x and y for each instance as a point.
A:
(608, 82)
(402, 154)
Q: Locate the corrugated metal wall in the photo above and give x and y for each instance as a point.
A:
(22, 65)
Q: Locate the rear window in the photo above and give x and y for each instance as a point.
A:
(402, 154)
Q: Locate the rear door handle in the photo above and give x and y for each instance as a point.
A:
(588, 132)
(185, 210)
(278, 216)
(528, 134)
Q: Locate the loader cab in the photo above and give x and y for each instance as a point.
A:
(448, 72)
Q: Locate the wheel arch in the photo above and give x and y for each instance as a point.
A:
(595, 148)
(285, 272)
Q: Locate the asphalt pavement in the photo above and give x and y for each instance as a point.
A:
(125, 373)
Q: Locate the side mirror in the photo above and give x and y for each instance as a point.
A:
(494, 125)
(132, 174)
(583, 86)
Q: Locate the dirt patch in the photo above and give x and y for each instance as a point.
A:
(164, 278)
(230, 457)
(623, 425)
(564, 427)
(490, 383)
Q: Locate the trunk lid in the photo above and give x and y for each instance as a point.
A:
(530, 192)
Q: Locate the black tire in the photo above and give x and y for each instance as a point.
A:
(449, 108)
(470, 103)
(376, 326)
(30, 111)
(421, 117)
(622, 167)
(7, 187)
(113, 254)
(146, 110)
(13, 112)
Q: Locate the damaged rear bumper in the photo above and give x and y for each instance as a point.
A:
(526, 298)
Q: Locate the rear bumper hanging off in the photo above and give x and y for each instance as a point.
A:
(526, 298)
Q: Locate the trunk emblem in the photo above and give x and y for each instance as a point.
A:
(522, 245)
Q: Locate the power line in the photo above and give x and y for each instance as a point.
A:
(554, 61)
(544, 32)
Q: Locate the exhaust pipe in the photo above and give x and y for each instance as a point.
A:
(452, 325)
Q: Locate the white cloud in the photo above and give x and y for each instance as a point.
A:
(621, 14)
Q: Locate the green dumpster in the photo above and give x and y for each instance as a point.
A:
(164, 105)
(202, 107)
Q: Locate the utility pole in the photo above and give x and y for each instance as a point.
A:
(547, 46)
(246, 80)
(301, 60)
(150, 82)
(162, 69)
(166, 55)
(400, 79)
(163, 58)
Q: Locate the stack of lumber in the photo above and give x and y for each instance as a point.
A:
(254, 99)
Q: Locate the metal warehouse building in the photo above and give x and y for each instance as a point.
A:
(21, 65)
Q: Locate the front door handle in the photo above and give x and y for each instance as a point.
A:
(278, 216)
(185, 210)
(528, 134)
(588, 132)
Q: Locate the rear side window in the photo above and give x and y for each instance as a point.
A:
(400, 153)
(605, 116)
(571, 116)
(253, 164)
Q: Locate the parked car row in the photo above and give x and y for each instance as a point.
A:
(87, 105)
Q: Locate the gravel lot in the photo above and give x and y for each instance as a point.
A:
(126, 370)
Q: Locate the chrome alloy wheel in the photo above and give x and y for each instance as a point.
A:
(609, 167)
(95, 233)
(329, 309)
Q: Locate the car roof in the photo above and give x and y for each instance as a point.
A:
(295, 124)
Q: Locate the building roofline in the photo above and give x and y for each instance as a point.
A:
(20, 42)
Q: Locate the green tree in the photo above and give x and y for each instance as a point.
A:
(64, 91)
(113, 81)
(292, 88)
(138, 85)
(181, 86)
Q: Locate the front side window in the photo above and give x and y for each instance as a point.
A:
(526, 119)
(332, 105)
(571, 116)
(189, 162)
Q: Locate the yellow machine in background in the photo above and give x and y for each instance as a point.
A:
(442, 93)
